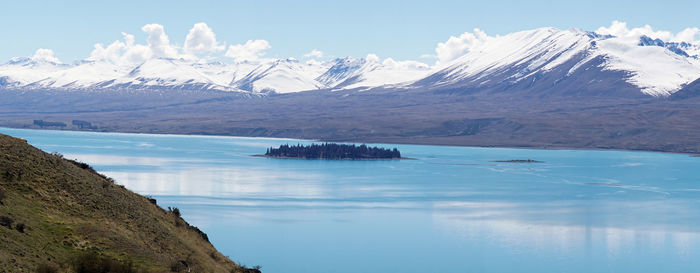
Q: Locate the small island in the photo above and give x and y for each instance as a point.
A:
(518, 161)
(333, 151)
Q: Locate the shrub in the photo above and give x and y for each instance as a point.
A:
(91, 262)
(175, 211)
(6, 221)
(200, 232)
(46, 268)
(81, 165)
(178, 266)
(2, 196)
(20, 227)
(244, 269)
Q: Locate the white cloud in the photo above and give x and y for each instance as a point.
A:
(455, 47)
(112, 52)
(119, 52)
(128, 52)
(314, 54)
(620, 29)
(428, 56)
(252, 50)
(201, 39)
(372, 58)
(158, 41)
(405, 65)
(46, 55)
(689, 35)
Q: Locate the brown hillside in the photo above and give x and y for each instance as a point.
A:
(61, 215)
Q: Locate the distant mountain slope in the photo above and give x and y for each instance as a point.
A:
(61, 209)
(691, 90)
(281, 76)
(373, 73)
(549, 61)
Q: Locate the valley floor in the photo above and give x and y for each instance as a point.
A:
(379, 116)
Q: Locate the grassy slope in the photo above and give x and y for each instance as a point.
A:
(68, 210)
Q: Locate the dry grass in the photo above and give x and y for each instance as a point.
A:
(67, 208)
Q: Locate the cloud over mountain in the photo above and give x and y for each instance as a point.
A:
(455, 47)
(252, 50)
(45, 55)
(201, 39)
(655, 61)
(314, 54)
(620, 29)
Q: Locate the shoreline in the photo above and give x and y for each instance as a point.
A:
(374, 141)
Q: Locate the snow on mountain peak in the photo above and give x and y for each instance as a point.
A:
(658, 63)
(656, 67)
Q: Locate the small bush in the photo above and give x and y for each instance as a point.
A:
(81, 165)
(2, 196)
(91, 262)
(179, 266)
(6, 221)
(244, 269)
(152, 200)
(20, 227)
(46, 268)
(200, 232)
(175, 211)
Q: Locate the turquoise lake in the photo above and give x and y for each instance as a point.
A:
(452, 210)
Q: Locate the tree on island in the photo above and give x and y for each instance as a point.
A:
(333, 151)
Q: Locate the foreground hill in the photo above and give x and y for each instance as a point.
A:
(57, 215)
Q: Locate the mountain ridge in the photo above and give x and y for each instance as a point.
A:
(655, 67)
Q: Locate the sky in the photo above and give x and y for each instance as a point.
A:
(402, 30)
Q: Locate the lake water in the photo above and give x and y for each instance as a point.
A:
(452, 210)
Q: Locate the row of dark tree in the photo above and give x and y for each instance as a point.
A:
(42, 124)
(81, 124)
(333, 151)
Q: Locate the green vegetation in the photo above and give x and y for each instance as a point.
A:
(333, 151)
(62, 216)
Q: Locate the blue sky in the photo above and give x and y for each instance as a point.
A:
(397, 29)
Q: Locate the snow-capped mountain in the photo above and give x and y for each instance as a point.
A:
(281, 76)
(340, 70)
(348, 73)
(571, 61)
(545, 61)
(21, 72)
(168, 73)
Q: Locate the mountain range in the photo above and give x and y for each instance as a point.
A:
(546, 61)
